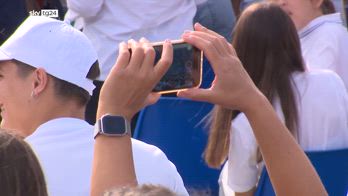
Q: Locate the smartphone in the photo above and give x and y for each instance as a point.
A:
(185, 71)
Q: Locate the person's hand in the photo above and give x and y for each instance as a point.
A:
(232, 87)
(128, 86)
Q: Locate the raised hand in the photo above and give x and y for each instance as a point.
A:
(232, 87)
(128, 87)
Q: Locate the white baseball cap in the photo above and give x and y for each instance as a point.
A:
(58, 48)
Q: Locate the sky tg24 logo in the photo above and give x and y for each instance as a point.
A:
(52, 13)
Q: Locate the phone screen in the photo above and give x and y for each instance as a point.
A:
(185, 71)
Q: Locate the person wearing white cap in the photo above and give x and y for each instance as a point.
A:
(44, 90)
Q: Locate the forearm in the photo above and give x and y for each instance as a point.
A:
(112, 164)
(248, 193)
(289, 169)
(236, 7)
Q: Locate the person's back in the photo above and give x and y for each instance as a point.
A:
(323, 109)
(65, 149)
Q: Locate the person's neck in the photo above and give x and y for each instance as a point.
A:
(309, 19)
(45, 114)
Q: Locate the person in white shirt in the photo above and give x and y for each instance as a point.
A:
(44, 88)
(312, 104)
(324, 38)
(107, 23)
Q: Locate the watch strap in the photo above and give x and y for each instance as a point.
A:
(98, 128)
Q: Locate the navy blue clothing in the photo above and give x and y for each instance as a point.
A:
(12, 14)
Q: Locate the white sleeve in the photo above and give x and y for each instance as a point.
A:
(242, 158)
(172, 173)
(153, 167)
(85, 8)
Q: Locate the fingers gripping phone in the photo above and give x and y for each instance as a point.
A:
(185, 71)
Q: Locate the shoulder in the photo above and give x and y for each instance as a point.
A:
(148, 154)
(330, 28)
(316, 76)
(153, 167)
(328, 33)
(143, 147)
(322, 84)
(62, 130)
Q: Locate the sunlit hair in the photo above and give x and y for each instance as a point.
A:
(20, 171)
(268, 46)
(142, 190)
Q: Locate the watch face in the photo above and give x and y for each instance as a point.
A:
(113, 125)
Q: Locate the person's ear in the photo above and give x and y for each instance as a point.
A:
(317, 3)
(40, 81)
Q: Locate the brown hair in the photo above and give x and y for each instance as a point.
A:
(143, 190)
(268, 46)
(327, 7)
(20, 171)
(64, 89)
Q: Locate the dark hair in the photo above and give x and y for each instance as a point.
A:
(20, 171)
(268, 46)
(327, 7)
(64, 89)
(23, 69)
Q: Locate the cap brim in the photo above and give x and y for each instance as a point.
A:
(4, 56)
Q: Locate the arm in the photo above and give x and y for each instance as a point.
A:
(112, 164)
(248, 193)
(236, 7)
(290, 171)
(85, 8)
(125, 91)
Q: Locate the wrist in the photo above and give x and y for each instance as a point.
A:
(255, 104)
(112, 125)
(112, 110)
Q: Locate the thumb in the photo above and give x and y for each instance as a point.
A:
(196, 94)
(151, 99)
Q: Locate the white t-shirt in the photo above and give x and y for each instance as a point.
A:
(64, 147)
(107, 23)
(324, 43)
(323, 125)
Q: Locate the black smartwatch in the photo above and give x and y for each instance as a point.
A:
(111, 125)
